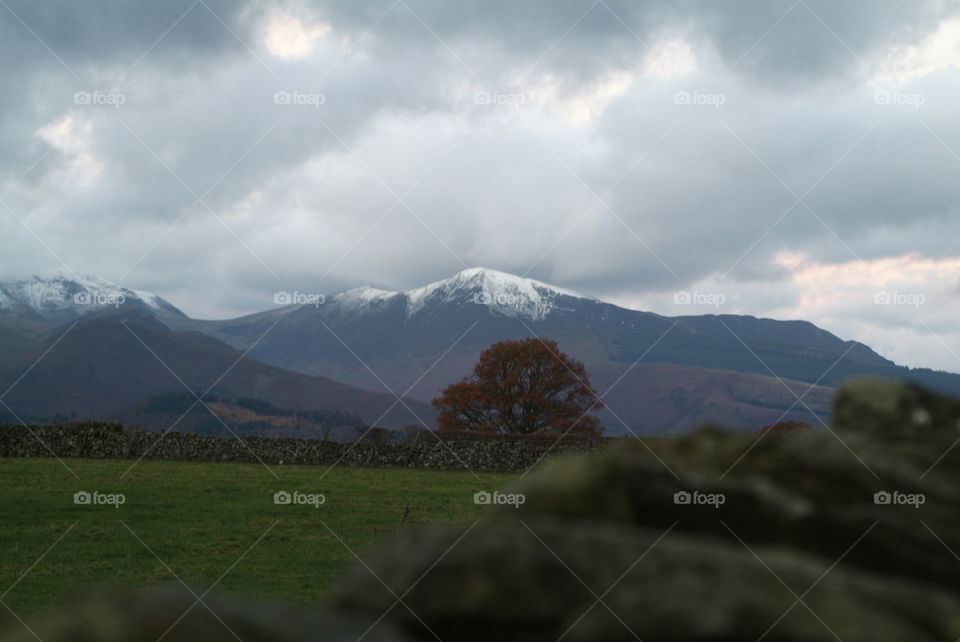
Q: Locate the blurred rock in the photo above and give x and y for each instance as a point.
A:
(876, 495)
(501, 582)
(174, 614)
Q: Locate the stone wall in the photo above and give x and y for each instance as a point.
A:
(427, 450)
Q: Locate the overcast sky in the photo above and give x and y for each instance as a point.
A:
(783, 159)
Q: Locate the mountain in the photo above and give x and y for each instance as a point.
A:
(108, 361)
(660, 374)
(32, 307)
(64, 297)
(670, 372)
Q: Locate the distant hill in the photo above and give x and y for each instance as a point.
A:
(108, 362)
(243, 416)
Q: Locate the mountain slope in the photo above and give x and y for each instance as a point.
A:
(17, 334)
(110, 361)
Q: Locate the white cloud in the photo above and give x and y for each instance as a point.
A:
(291, 38)
(670, 58)
(938, 50)
(74, 139)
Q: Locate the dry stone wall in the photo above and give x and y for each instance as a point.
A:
(113, 441)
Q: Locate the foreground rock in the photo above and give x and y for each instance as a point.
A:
(176, 616)
(541, 579)
(861, 521)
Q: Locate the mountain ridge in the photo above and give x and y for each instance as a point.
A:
(748, 371)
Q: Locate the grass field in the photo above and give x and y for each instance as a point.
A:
(207, 524)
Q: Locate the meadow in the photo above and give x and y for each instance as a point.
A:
(206, 524)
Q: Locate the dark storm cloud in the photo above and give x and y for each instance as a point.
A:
(83, 32)
(49, 50)
(789, 39)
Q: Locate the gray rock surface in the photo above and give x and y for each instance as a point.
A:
(99, 440)
(540, 580)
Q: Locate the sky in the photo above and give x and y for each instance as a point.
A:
(789, 159)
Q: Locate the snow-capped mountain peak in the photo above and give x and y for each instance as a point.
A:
(508, 294)
(504, 293)
(61, 296)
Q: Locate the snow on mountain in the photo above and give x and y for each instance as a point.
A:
(507, 294)
(363, 296)
(63, 296)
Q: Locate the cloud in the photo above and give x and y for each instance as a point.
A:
(73, 140)
(290, 37)
(670, 58)
(936, 51)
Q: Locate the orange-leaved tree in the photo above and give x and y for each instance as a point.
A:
(522, 387)
(785, 427)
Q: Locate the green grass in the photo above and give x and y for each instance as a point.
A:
(203, 521)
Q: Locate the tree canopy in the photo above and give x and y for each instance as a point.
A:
(522, 387)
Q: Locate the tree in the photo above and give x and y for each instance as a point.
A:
(784, 428)
(522, 387)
